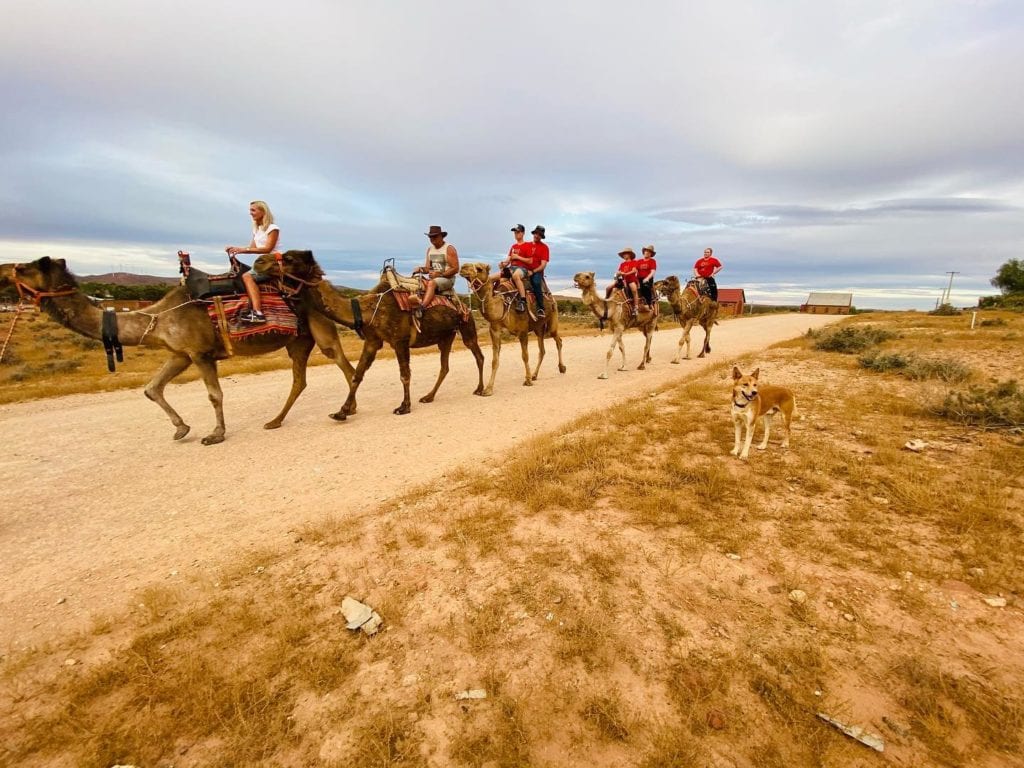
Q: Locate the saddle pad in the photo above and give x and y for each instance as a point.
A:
(401, 283)
(280, 318)
(405, 302)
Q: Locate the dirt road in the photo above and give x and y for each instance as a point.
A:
(98, 501)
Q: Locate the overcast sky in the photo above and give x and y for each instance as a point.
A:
(867, 146)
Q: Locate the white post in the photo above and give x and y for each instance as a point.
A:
(973, 316)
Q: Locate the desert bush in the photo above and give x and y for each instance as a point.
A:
(84, 342)
(849, 338)
(914, 367)
(20, 374)
(11, 358)
(945, 310)
(998, 406)
(61, 366)
(992, 321)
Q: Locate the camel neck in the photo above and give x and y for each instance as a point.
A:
(80, 315)
(596, 303)
(331, 303)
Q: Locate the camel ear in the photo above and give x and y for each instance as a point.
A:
(736, 375)
(61, 263)
(44, 263)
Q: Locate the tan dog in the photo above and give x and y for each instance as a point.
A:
(751, 403)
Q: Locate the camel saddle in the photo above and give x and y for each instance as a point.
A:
(405, 287)
(506, 290)
(203, 285)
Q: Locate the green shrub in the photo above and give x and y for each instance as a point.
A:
(992, 321)
(914, 367)
(849, 338)
(998, 406)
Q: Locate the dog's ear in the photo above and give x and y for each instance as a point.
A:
(736, 375)
(755, 374)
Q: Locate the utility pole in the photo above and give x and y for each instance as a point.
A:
(946, 297)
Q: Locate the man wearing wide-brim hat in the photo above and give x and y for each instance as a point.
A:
(645, 268)
(440, 268)
(627, 275)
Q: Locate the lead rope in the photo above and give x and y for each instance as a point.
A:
(10, 332)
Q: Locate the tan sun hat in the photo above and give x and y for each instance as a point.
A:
(628, 250)
(650, 248)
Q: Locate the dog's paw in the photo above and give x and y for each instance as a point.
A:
(734, 452)
(761, 447)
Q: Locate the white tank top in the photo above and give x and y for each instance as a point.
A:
(261, 235)
(438, 258)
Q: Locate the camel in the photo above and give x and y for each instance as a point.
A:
(689, 307)
(380, 320)
(179, 325)
(617, 312)
(519, 324)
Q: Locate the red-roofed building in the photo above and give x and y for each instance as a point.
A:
(731, 301)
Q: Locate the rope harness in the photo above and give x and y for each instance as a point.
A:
(28, 295)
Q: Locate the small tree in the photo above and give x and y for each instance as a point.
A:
(1010, 277)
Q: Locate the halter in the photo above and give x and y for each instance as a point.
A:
(27, 293)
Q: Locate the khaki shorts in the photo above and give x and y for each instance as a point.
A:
(442, 284)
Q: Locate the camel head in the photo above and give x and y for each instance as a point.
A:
(300, 264)
(668, 286)
(584, 280)
(43, 274)
(476, 273)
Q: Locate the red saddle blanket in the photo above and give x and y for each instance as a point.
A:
(405, 303)
(280, 318)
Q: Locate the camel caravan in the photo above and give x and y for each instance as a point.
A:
(284, 301)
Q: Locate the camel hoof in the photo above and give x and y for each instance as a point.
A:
(528, 383)
(623, 368)
(181, 431)
(603, 376)
(213, 439)
(487, 393)
(561, 369)
(534, 377)
(339, 416)
(427, 399)
(641, 367)
(272, 425)
(402, 410)
(675, 362)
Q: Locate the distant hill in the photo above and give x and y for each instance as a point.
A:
(127, 278)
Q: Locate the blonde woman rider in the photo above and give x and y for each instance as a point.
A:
(264, 240)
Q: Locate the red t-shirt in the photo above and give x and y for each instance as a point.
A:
(645, 267)
(525, 253)
(539, 254)
(705, 266)
(628, 266)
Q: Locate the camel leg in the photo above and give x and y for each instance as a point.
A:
(495, 357)
(646, 358)
(524, 345)
(706, 347)
(622, 349)
(208, 370)
(370, 349)
(469, 339)
(401, 347)
(540, 353)
(155, 390)
(298, 350)
(445, 345)
(326, 337)
(611, 350)
(558, 345)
